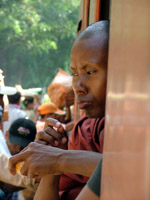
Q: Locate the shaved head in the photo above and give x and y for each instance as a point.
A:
(99, 31)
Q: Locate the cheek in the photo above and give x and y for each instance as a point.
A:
(12, 149)
(100, 91)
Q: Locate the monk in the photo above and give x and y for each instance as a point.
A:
(88, 65)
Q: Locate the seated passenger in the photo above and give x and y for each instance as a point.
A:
(21, 132)
(28, 103)
(14, 111)
(47, 110)
(89, 70)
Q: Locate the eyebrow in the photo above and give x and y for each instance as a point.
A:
(88, 65)
(71, 67)
(82, 67)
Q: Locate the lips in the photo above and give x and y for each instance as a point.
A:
(84, 104)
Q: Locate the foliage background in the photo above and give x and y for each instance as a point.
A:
(36, 37)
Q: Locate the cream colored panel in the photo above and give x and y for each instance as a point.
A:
(126, 164)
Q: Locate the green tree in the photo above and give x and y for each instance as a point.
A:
(36, 37)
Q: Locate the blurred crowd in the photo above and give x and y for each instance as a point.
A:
(22, 115)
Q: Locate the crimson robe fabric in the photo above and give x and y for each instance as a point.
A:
(88, 134)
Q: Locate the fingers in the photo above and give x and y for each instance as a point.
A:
(51, 136)
(53, 133)
(28, 169)
(40, 142)
(52, 122)
(46, 136)
(42, 136)
(31, 164)
(24, 169)
(14, 160)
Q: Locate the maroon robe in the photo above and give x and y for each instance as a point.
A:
(88, 134)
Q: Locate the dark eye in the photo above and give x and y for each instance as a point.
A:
(91, 72)
(74, 74)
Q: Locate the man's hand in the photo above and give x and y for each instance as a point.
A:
(39, 160)
(53, 133)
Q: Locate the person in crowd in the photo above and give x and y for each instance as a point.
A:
(37, 101)
(47, 110)
(28, 103)
(21, 132)
(14, 111)
(5, 176)
(88, 65)
(50, 110)
(4, 90)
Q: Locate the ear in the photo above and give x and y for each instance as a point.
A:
(19, 102)
(7, 135)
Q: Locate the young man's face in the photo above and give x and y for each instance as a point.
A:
(30, 106)
(89, 69)
(14, 148)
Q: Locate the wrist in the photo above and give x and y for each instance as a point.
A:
(62, 161)
(55, 158)
(51, 179)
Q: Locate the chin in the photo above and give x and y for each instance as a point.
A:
(93, 114)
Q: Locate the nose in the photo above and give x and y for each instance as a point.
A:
(80, 86)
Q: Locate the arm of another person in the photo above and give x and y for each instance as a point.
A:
(48, 188)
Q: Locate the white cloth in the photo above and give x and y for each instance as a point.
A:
(5, 176)
(13, 113)
(3, 146)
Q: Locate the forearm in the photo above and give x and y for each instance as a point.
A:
(79, 162)
(48, 188)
